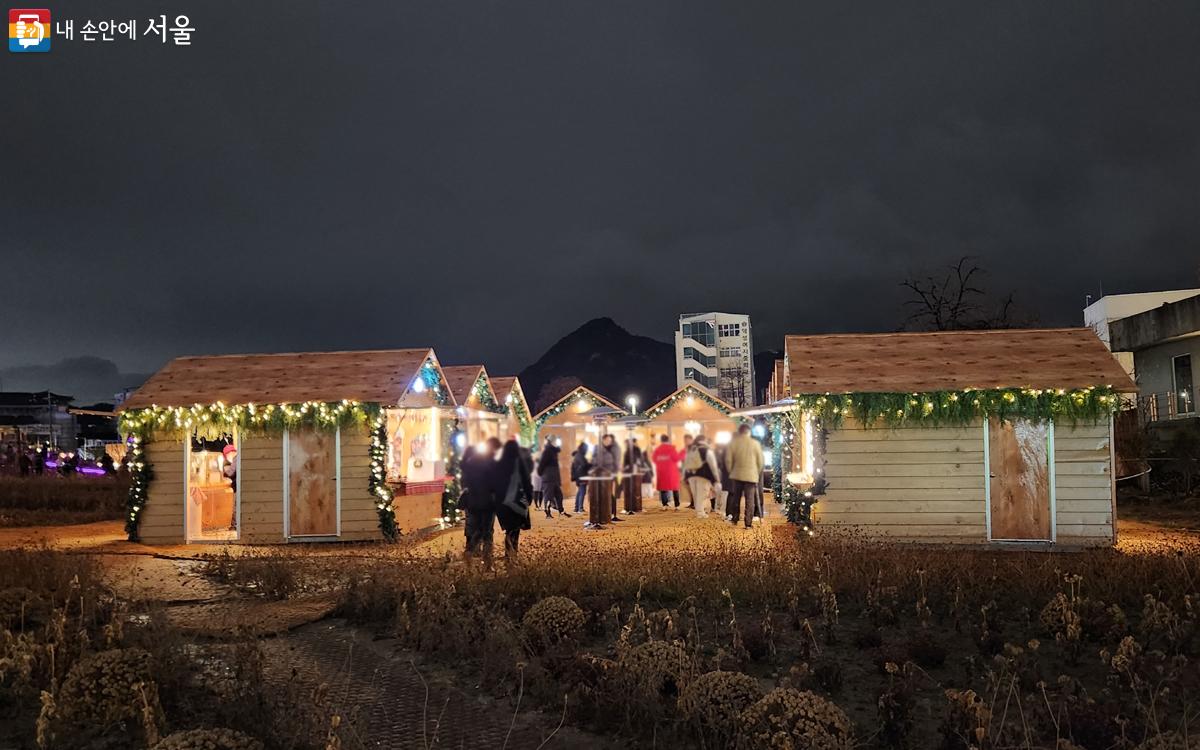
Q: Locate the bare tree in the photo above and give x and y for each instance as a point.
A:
(732, 386)
(954, 301)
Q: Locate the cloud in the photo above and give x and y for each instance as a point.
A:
(88, 379)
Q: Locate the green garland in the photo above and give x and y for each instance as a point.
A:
(520, 410)
(566, 402)
(377, 480)
(452, 490)
(431, 376)
(140, 474)
(957, 408)
(143, 425)
(486, 398)
(687, 392)
(252, 419)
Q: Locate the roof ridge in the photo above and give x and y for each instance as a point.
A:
(299, 354)
(959, 332)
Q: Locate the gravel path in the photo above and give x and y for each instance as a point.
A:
(396, 707)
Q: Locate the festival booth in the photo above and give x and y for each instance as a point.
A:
(566, 421)
(1000, 436)
(518, 421)
(479, 413)
(269, 448)
(688, 411)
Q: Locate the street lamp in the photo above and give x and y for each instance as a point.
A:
(632, 401)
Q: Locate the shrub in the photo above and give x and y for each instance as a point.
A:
(107, 687)
(553, 619)
(789, 719)
(655, 670)
(714, 702)
(107, 696)
(19, 606)
(208, 739)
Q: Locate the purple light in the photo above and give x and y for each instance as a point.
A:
(51, 464)
(94, 471)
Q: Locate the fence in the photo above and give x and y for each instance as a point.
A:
(1157, 407)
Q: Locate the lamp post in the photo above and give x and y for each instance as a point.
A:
(632, 401)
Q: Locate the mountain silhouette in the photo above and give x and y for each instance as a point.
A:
(606, 358)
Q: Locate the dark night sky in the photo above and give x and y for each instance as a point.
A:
(483, 177)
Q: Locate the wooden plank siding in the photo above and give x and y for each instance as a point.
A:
(928, 484)
(261, 492)
(1083, 484)
(911, 483)
(162, 518)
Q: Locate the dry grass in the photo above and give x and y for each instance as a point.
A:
(1097, 647)
(65, 680)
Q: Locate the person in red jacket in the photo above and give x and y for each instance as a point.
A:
(666, 467)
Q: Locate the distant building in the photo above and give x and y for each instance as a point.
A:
(1101, 314)
(1159, 344)
(715, 352)
(42, 417)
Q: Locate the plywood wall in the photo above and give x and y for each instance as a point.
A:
(261, 486)
(162, 518)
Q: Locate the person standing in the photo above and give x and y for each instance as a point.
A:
(687, 448)
(551, 477)
(702, 472)
(513, 491)
(666, 465)
(536, 481)
(745, 461)
(479, 499)
(722, 494)
(631, 482)
(606, 463)
(580, 466)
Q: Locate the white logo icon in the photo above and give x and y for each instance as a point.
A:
(31, 34)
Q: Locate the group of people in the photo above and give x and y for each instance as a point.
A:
(501, 481)
(27, 461)
(496, 487)
(725, 479)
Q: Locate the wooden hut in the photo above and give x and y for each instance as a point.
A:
(480, 413)
(518, 421)
(964, 436)
(267, 448)
(562, 421)
(687, 411)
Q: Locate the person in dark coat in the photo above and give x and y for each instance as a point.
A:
(580, 466)
(551, 478)
(513, 492)
(478, 498)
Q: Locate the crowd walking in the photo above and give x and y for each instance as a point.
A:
(501, 481)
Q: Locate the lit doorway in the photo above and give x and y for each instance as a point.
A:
(212, 509)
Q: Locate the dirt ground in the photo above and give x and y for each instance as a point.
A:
(677, 530)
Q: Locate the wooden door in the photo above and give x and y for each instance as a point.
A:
(1019, 473)
(312, 483)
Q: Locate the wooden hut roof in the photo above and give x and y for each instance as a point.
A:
(717, 403)
(952, 360)
(505, 386)
(368, 376)
(461, 380)
(574, 394)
